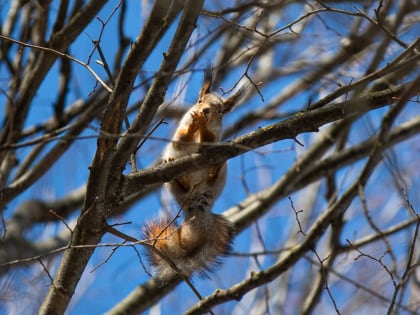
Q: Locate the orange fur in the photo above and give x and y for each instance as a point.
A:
(192, 247)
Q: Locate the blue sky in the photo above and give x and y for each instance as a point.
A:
(99, 289)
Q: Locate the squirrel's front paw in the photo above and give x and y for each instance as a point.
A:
(198, 120)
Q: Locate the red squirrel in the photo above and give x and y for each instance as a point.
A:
(203, 236)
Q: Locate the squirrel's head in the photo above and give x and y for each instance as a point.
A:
(211, 106)
(211, 103)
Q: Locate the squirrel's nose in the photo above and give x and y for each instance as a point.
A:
(206, 111)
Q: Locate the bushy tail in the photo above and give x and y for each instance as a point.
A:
(194, 246)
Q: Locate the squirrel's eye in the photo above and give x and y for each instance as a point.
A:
(200, 101)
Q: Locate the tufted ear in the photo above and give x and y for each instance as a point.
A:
(205, 89)
(231, 101)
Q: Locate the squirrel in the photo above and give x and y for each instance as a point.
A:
(201, 125)
(203, 236)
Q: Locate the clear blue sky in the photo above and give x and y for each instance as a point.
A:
(100, 289)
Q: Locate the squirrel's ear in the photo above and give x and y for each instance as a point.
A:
(231, 101)
(205, 89)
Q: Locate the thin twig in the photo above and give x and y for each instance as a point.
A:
(56, 52)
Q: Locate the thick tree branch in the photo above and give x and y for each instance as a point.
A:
(101, 184)
(290, 128)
